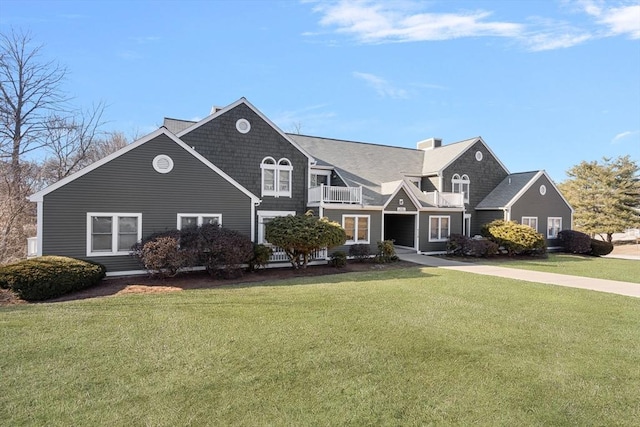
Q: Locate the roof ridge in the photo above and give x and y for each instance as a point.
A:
(354, 142)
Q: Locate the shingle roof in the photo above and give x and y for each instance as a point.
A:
(176, 125)
(436, 159)
(507, 190)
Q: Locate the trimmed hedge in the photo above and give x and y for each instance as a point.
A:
(516, 239)
(338, 259)
(461, 245)
(360, 252)
(600, 247)
(575, 242)
(48, 277)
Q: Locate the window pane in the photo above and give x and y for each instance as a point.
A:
(125, 241)
(456, 187)
(128, 224)
(101, 243)
(210, 220)
(269, 180)
(349, 227)
(188, 221)
(284, 180)
(101, 224)
(444, 228)
(363, 228)
(434, 228)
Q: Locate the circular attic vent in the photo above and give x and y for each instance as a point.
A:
(243, 126)
(543, 190)
(479, 155)
(162, 163)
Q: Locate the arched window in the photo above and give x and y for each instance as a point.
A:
(276, 177)
(461, 184)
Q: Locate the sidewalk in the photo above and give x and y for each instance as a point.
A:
(601, 285)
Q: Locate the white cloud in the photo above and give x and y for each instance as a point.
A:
(378, 22)
(623, 135)
(622, 20)
(381, 86)
(306, 119)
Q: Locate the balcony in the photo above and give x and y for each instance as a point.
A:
(333, 194)
(445, 200)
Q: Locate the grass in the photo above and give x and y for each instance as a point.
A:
(404, 347)
(578, 265)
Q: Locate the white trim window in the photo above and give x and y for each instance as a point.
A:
(357, 228)
(111, 234)
(263, 219)
(197, 220)
(531, 221)
(439, 228)
(554, 226)
(276, 177)
(461, 184)
(318, 178)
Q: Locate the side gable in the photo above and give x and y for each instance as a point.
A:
(474, 147)
(38, 196)
(541, 178)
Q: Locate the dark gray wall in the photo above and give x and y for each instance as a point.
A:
(456, 228)
(484, 176)
(240, 155)
(479, 218)
(551, 204)
(394, 203)
(129, 184)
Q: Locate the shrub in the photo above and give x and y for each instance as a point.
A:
(516, 239)
(338, 259)
(360, 252)
(48, 277)
(223, 250)
(162, 256)
(261, 255)
(386, 252)
(600, 247)
(461, 245)
(575, 242)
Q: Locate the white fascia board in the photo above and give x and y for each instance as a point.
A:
(255, 110)
(436, 210)
(353, 207)
(38, 197)
(471, 145)
(416, 202)
(559, 192)
(523, 190)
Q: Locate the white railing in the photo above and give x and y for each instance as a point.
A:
(32, 247)
(334, 194)
(279, 255)
(445, 200)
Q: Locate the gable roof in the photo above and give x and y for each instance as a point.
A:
(509, 190)
(439, 158)
(179, 123)
(38, 196)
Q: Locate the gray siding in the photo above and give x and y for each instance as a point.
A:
(394, 203)
(430, 183)
(240, 155)
(479, 218)
(456, 228)
(484, 176)
(375, 225)
(532, 203)
(129, 184)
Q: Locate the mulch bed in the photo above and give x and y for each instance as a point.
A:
(201, 280)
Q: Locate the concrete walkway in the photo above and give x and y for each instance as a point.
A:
(602, 285)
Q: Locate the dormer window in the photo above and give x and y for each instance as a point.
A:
(276, 177)
(460, 184)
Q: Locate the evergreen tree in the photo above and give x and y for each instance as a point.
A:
(605, 196)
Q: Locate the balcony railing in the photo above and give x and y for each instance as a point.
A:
(445, 200)
(279, 255)
(334, 194)
(32, 247)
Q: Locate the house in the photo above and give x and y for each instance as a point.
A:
(236, 168)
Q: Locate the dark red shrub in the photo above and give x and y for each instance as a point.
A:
(575, 242)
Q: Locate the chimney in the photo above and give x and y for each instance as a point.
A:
(215, 109)
(430, 144)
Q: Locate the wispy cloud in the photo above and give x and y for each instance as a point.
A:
(306, 119)
(624, 135)
(375, 21)
(145, 39)
(381, 86)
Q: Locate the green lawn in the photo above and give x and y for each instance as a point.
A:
(399, 347)
(578, 265)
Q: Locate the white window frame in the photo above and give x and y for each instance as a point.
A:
(356, 228)
(262, 215)
(463, 184)
(526, 220)
(277, 167)
(551, 226)
(114, 232)
(417, 182)
(440, 238)
(319, 173)
(199, 218)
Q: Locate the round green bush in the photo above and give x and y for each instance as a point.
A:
(48, 277)
(516, 239)
(338, 259)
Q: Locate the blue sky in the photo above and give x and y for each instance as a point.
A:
(547, 84)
